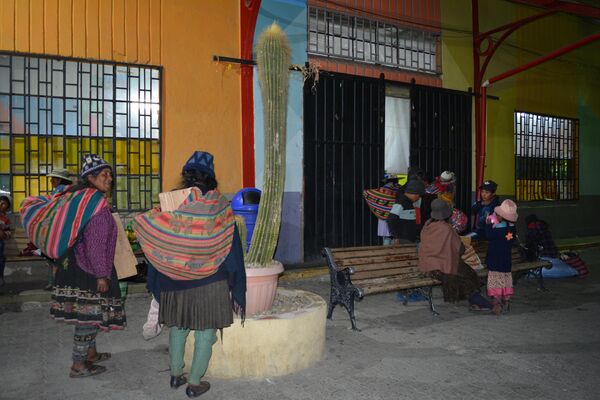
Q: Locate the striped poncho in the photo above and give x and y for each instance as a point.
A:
(191, 242)
(53, 223)
(380, 201)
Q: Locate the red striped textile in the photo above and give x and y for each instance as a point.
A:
(380, 201)
(191, 242)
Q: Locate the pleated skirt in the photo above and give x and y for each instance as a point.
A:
(200, 308)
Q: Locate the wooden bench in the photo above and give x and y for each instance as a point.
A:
(356, 272)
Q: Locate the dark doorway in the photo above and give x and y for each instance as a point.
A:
(343, 155)
(344, 143)
(441, 136)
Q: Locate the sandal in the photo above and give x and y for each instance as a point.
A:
(88, 371)
(100, 357)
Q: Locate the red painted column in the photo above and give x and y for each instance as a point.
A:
(477, 78)
(248, 15)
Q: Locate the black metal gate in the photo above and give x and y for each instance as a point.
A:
(343, 155)
(441, 136)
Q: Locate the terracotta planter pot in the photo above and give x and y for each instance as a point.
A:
(261, 287)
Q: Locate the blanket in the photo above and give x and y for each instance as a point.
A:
(53, 223)
(191, 242)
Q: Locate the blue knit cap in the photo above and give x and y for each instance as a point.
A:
(91, 163)
(200, 161)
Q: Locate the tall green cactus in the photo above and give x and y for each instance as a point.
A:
(273, 60)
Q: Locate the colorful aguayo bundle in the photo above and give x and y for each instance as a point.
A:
(380, 201)
(191, 242)
(53, 223)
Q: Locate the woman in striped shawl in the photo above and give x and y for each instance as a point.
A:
(86, 290)
(197, 269)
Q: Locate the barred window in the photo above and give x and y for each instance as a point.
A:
(546, 157)
(54, 110)
(334, 34)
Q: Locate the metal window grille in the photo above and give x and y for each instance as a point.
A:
(338, 35)
(546, 157)
(54, 110)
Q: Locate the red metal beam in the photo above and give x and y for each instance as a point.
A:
(481, 101)
(492, 44)
(479, 38)
(543, 59)
(578, 9)
(248, 15)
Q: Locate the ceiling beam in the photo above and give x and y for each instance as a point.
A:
(578, 9)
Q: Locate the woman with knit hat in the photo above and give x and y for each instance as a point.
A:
(197, 272)
(405, 219)
(500, 231)
(81, 240)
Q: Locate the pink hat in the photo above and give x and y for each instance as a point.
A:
(507, 210)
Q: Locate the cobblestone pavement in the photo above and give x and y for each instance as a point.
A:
(548, 347)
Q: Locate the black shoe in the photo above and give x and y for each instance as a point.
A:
(177, 381)
(197, 390)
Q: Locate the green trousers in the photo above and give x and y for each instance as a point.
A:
(204, 341)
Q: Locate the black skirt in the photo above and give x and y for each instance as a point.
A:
(460, 286)
(203, 307)
(75, 299)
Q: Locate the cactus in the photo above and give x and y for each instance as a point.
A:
(273, 60)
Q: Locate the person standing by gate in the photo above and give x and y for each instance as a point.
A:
(484, 207)
(405, 219)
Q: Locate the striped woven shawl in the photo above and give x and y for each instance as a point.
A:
(191, 242)
(380, 201)
(53, 223)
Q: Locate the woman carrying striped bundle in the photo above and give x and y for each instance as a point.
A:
(76, 230)
(197, 269)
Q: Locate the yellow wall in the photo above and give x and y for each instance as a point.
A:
(557, 88)
(201, 99)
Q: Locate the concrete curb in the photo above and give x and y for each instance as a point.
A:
(43, 296)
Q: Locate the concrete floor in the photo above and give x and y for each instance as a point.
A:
(548, 347)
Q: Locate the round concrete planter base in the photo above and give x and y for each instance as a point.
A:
(287, 339)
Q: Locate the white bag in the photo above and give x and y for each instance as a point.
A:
(152, 328)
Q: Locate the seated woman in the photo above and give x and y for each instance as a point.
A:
(440, 257)
(539, 238)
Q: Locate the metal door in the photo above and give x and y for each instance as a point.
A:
(441, 136)
(343, 155)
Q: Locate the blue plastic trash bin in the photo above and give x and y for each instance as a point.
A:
(245, 203)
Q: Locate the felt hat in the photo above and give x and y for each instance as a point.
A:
(91, 163)
(61, 173)
(490, 186)
(415, 186)
(447, 177)
(440, 209)
(507, 210)
(200, 161)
